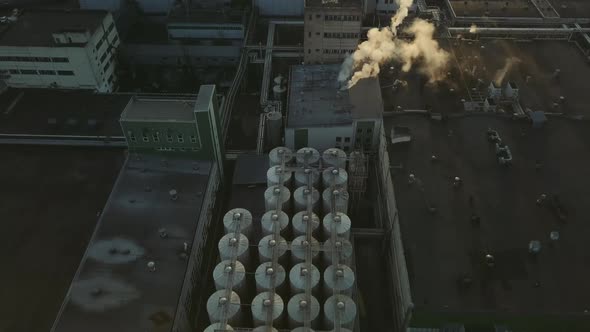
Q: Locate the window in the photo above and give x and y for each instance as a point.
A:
(317, 33)
(145, 138)
(317, 50)
(65, 73)
(193, 139)
(180, 139)
(169, 138)
(359, 130)
(310, 16)
(115, 39)
(318, 16)
(338, 139)
(368, 141)
(346, 149)
(133, 139)
(110, 28)
(110, 78)
(309, 34)
(60, 59)
(309, 51)
(156, 136)
(28, 72)
(104, 56)
(14, 71)
(347, 139)
(43, 59)
(47, 72)
(99, 44)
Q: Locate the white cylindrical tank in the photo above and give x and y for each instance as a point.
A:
(298, 278)
(339, 223)
(334, 157)
(268, 245)
(278, 91)
(267, 306)
(226, 271)
(272, 219)
(300, 223)
(218, 327)
(277, 196)
(339, 307)
(301, 308)
(276, 156)
(338, 278)
(299, 247)
(307, 157)
(340, 197)
(302, 329)
(303, 174)
(232, 246)
(335, 177)
(274, 126)
(277, 175)
(268, 276)
(342, 248)
(356, 162)
(265, 329)
(221, 305)
(301, 196)
(238, 220)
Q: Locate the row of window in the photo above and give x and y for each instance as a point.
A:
(175, 149)
(105, 36)
(342, 18)
(37, 72)
(32, 59)
(337, 51)
(156, 138)
(350, 35)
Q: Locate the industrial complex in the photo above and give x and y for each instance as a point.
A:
(295, 165)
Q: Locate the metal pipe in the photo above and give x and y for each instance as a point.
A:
(528, 31)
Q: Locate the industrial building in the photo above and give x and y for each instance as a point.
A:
(332, 29)
(72, 49)
(323, 114)
(143, 261)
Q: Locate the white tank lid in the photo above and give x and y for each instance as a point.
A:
(269, 243)
(300, 244)
(226, 270)
(339, 277)
(300, 304)
(266, 273)
(221, 305)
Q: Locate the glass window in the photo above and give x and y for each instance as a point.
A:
(193, 139)
(60, 59)
(169, 138)
(28, 72)
(115, 39)
(338, 139)
(104, 56)
(65, 73)
(47, 72)
(14, 71)
(180, 139)
(146, 139)
(347, 139)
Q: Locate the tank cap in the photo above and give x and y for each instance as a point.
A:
(272, 243)
(340, 273)
(228, 269)
(336, 192)
(233, 241)
(274, 216)
(306, 191)
(270, 270)
(281, 151)
(304, 271)
(237, 216)
(305, 243)
(307, 170)
(337, 218)
(276, 191)
(305, 217)
(266, 302)
(222, 300)
(338, 244)
(340, 305)
(335, 171)
(303, 304)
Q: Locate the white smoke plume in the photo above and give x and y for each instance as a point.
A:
(473, 28)
(346, 69)
(382, 46)
(501, 73)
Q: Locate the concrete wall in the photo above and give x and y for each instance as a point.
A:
(280, 7)
(91, 66)
(322, 138)
(205, 31)
(317, 22)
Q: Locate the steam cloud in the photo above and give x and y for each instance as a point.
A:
(382, 46)
(473, 28)
(501, 73)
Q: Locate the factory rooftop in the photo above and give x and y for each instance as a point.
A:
(495, 8)
(150, 109)
(142, 222)
(495, 211)
(333, 3)
(35, 27)
(51, 198)
(532, 68)
(61, 112)
(317, 99)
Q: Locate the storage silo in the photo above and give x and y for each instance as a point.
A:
(278, 154)
(302, 329)
(338, 278)
(269, 244)
(265, 329)
(342, 248)
(303, 174)
(334, 157)
(337, 222)
(218, 327)
(339, 309)
(272, 218)
(301, 309)
(226, 271)
(300, 223)
(238, 220)
(277, 175)
(231, 246)
(274, 126)
(277, 197)
(268, 276)
(335, 177)
(340, 197)
(267, 306)
(301, 196)
(307, 157)
(299, 275)
(223, 304)
(299, 247)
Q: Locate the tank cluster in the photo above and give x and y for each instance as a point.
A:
(292, 268)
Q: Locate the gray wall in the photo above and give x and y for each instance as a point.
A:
(280, 7)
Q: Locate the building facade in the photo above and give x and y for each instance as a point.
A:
(60, 49)
(332, 30)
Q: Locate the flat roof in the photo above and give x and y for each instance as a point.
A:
(51, 197)
(442, 247)
(159, 109)
(482, 60)
(35, 27)
(572, 8)
(129, 296)
(317, 100)
(333, 3)
(495, 8)
(30, 111)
